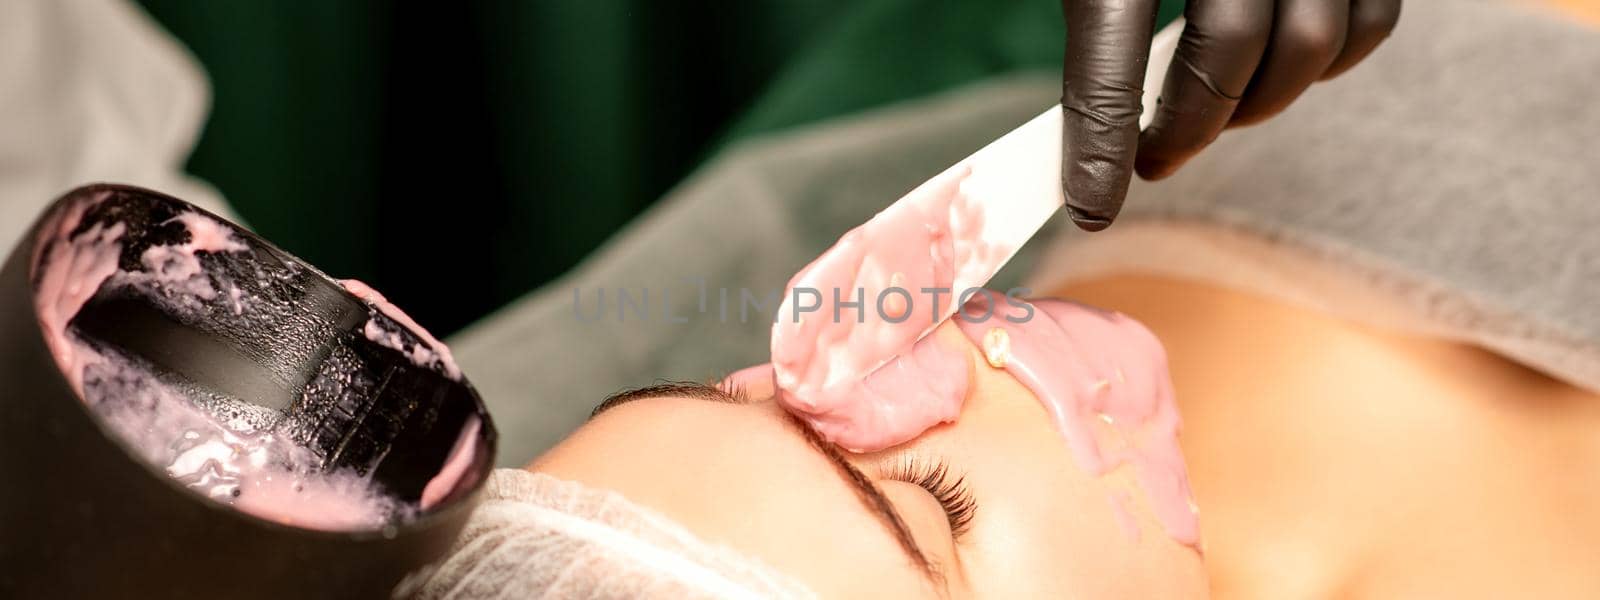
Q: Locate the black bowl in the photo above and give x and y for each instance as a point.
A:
(82, 515)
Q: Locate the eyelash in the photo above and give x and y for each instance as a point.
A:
(951, 491)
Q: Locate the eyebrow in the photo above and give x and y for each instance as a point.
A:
(867, 491)
(687, 389)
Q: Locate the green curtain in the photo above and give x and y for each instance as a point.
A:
(459, 157)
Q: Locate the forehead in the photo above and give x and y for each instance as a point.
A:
(740, 474)
(712, 431)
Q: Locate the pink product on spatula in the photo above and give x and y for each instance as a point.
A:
(909, 267)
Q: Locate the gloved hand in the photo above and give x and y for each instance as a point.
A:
(1238, 62)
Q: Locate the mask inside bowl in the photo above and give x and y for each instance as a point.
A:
(247, 376)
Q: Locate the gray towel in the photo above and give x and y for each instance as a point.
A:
(1456, 168)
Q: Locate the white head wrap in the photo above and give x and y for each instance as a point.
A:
(536, 536)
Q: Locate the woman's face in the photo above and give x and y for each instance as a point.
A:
(992, 505)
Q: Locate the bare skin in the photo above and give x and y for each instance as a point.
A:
(1335, 460)
(1583, 11)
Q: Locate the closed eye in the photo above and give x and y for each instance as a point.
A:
(950, 490)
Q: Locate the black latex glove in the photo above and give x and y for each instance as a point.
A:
(1238, 62)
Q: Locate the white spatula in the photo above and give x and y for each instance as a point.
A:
(1017, 179)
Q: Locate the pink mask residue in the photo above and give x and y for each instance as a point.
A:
(225, 459)
(455, 467)
(77, 267)
(431, 353)
(1103, 379)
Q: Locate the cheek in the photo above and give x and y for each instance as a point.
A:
(1044, 536)
(1045, 527)
(833, 546)
(740, 480)
(924, 516)
(791, 510)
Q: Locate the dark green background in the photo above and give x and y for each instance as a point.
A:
(457, 155)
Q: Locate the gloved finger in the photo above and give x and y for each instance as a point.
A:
(1371, 22)
(1218, 52)
(1307, 35)
(1108, 43)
